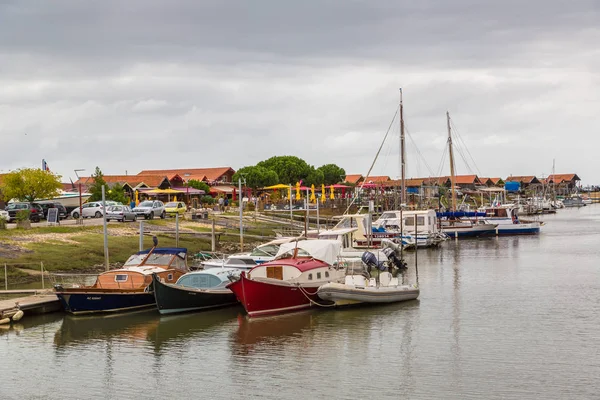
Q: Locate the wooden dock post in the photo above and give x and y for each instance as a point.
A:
(212, 236)
(42, 270)
(5, 277)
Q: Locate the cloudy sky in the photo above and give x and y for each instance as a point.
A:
(141, 84)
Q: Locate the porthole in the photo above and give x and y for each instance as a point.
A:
(310, 277)
(326, 274)
(170, 277)
(318, 275)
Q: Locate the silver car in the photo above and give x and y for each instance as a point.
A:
(120, 213)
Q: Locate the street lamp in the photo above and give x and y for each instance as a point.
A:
(80, 200)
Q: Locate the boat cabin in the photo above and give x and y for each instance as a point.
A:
(168, 263)
(213, 278)
(426, 221)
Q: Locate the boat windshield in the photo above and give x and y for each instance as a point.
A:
(134, 260)
(347, 223)
(266, 250)
(290, 254)
(159, 259)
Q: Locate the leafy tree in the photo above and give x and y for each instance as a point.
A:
(116, 193)
(314, 177)
(96, 187)
(30, 184)
(289, 169)
(256, 176)
(332, 174)
(196, 184)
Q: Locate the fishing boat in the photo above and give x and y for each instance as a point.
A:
(195, 291)
(361, 286)
(246, 260)
(289, 283)
(127, 288)
(458, 225)
(507, 218)
(426, 233)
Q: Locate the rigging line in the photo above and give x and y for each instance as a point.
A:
(417, 151)
(442, 161)
(375, 160)
(462, 155)
(466, 147)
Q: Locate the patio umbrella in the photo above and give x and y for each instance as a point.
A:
(331, 195)
(137, 198)
(298, 197)
(278, 186)
(313, 198)
(175, 198)
(323, 194)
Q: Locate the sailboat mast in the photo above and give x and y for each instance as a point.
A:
(451, 154)
(402, 154)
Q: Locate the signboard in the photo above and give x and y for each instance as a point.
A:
(52, 216)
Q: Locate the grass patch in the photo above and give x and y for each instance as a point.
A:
(88, 253)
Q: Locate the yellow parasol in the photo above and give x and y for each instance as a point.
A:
(323, 194)
(298, 197)
(289, 192)
(278, 186)
(331, 195)
(175, 198)
(137, 198)
(313, 198)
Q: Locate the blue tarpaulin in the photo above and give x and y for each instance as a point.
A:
(512, 186)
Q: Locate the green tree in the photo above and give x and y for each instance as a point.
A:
(117, 193)
(314, 177)
(332, 174)
(289, 169)
(30, 184)
(256, 177)
(96, 187)
(196, 184)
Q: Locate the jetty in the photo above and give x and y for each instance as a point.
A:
(40, 302)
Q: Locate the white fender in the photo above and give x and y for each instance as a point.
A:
(18, 315)
(4, 321)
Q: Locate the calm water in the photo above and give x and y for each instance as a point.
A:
(507, 318)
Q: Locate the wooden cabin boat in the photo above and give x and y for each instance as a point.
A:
(127, 288)
(195, 291)
(290, 282)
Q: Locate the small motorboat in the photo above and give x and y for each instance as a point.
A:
(195, 291)
(361, 287)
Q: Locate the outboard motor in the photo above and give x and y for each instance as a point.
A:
(393, 258)
(371, 261)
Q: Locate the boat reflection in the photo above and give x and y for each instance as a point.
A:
(146, 326)
(29, 321)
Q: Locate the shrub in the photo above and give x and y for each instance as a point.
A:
(2, 223)
(22, 215)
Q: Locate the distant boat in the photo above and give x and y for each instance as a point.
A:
(195, 291)
(70, 199)
(127, 288)
(458, 225)
(508, 221)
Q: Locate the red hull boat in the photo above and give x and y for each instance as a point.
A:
(289, 284)
(268, 298)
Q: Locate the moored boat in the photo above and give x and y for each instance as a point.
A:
(195, 291)
(290, 282)
(458, 225)
(127, 288)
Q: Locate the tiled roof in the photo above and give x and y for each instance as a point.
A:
(557, 178)
(528, 179)
(131, 180)
(414, 182)
(211, 174)
(353, 178)
(377, 179)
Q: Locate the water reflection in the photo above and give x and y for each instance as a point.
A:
(147, 326)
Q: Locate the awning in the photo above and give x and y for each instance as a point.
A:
(189, 190)
(222, 189)
(278, 186)
(163, 191)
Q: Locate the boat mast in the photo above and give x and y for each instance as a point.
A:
(402, 154)
(451, 154)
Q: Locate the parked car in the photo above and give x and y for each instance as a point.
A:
(120, 213)
(62, 211)
(150, 209)
(36, 213)
(93, 209)
(175, 207)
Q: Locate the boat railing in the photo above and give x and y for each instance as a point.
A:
(71, 280)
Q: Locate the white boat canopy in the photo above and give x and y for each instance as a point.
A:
(324, 250)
